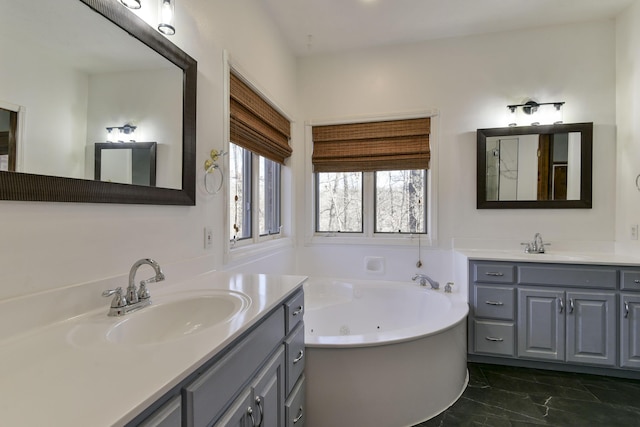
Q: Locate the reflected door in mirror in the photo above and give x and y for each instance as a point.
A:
(126, 163)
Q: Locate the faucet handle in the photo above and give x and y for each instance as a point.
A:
(119, 300)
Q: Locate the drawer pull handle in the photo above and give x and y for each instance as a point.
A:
(494, 273)
(300, 310)
(626, 309)
(494, 339)
(494, 302)
(570, 305)
(561, 304)
(300, 356)
(299, 417)
(250, 413)
(259, 403)
(636, 281)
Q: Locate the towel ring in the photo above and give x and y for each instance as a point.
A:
(210, 166)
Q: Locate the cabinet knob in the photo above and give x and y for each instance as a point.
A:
(300, 310)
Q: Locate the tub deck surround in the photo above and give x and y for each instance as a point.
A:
(54, 376)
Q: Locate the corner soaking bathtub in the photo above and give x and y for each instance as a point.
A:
(382, 354)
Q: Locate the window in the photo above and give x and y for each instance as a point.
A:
(399, 197)
(259, 145)
(400, 201)
(244, 195)
(339, 202)
(371, 177)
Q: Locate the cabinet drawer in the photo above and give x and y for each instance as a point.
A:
(578, 276)
(294, 310)
(294, 351)
(494, 338)
(630, 280)
(494, 302)
(294, 407)
(493, 273)
(208, 395)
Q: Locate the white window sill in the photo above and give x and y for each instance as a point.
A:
(247, 250)
(383, 240)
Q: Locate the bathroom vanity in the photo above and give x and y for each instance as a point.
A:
(582, 316)
(92, 369)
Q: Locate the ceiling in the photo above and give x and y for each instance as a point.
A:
(324, 26)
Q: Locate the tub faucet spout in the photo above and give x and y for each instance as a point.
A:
(423, 279)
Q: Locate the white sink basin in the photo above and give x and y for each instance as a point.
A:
(171, 317)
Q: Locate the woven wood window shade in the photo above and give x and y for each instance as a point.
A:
(374, 146)
(256, 125)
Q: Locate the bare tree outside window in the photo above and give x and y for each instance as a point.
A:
(339, 202)
(400, 204)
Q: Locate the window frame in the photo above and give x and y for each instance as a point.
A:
(429, 239)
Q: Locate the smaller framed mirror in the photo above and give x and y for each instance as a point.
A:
(535, 167)
(126, 162)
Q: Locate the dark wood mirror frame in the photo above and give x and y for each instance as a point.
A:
(31, 187)
(586, 162)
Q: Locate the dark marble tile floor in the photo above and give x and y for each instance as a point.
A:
(503, 396)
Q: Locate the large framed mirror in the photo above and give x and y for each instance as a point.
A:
(70, 70)
(535, 167)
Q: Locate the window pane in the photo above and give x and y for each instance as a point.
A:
(240, 192)
(339, 202)
(400, 197)
(268, 197)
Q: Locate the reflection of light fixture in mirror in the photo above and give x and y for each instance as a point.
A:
(121, 133)
(538, 112)
(167, 13)
(131, 4)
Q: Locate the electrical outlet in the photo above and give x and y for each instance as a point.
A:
(208, 238)
(634, 232)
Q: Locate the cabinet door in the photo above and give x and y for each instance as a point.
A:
(541, 324)
(591, 328)
(241, 413)
(630, 331)
(268, 392)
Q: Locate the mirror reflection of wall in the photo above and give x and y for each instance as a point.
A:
(533, 167)
(74, 87)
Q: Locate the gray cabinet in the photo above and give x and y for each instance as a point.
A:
(250, 384)
(578, 327)
(586, 315)
(630, 330)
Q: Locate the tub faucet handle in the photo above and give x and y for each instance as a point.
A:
(447, 287)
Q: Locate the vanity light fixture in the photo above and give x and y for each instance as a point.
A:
(121, 133)
(167, 14)
(538, 112)
(132, 4)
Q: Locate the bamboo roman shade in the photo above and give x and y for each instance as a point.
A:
(256, 125)
(372, 146)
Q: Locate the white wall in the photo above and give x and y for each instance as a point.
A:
(628, 111)
(470, 81)
(51, 245)
(54, 97)
(150, 100)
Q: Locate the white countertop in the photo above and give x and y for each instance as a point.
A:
(49, 377)
(568, 257)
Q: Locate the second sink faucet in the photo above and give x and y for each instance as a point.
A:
(537, 246)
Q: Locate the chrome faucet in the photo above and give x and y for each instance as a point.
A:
(424, 279)
(133, 299)
(537, 246)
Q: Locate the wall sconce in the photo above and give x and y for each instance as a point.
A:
(121, 133)
(537, 112)
(131, 4)
(167, 14)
